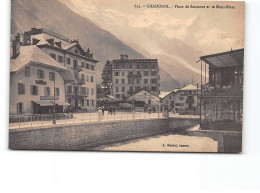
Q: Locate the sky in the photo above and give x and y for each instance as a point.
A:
(167, 33)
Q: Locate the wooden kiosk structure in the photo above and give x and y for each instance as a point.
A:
(221, 102)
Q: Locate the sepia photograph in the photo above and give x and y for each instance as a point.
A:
(142, 76)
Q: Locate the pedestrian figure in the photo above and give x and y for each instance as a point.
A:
(103, 110)
(114, 110)
(110, 110)
(99, 114)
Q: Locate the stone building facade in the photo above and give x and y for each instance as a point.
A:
(130, 76)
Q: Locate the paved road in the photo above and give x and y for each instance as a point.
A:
(93, 117)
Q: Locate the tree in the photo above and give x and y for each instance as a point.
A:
(107, 78)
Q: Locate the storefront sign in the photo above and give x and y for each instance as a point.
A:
(40, 82)
(49, 97)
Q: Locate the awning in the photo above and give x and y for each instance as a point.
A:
(225, 59)
(43, 103)
(62, 103)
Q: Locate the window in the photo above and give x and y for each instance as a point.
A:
(68, 60)
(82, 102)
(117, 89)
(27, 71)
(53, 56)
(34, 90)
(51, 75)
(87, 78)
(153, 88)
(123, 73)
(75, 62)
(57, 91)
(146, 88)
(146, 73)
(93, 102)
(137, 88)
(19, 107)
(76, 51)
(145, 81)
(92, 67)
(69, 89)
(137, 81)
(47, 91)
(60, 59)
(153, 81)
(87, 102)
(21, 89)
(123, 81)
(83, 77)
(123, 89)
(117, 74)
(153, 73)
(87, 90)
(117, 96)
(137, 66)
(116, 81)
(181, 98)
(91, 79)
(87, 66)
(92, 91)
(40, 74)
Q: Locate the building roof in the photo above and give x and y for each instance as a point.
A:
(164, 94)
(189, 87)
(142, 91)
(43, 40)
(225, 59)
(33, 55)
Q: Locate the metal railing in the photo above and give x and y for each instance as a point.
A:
(46, 120)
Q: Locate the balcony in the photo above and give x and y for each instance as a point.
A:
(77, 94)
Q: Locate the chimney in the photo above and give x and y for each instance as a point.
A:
(88, 52)
(124, 57)
(16, 46)
(26, 39)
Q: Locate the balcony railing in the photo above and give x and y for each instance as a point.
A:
(224, 91)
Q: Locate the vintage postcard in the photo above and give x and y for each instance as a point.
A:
(132, 75)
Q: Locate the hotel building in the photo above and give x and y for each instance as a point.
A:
(130, 76)
(33, 77)
(82, 92)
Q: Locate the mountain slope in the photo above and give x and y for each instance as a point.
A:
(55, 16)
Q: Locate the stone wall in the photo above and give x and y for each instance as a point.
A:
(87, 135)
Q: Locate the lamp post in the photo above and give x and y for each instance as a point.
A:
(54, 102)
